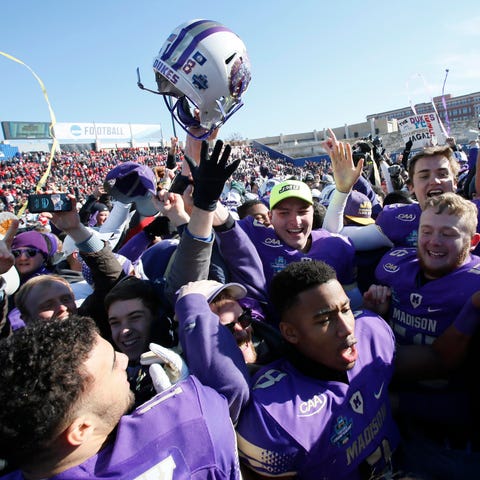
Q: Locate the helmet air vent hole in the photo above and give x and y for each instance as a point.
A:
(230, 58)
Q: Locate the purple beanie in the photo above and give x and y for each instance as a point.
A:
(33, 239)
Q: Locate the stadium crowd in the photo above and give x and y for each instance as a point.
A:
(214, 313)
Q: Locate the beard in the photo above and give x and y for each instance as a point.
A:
(441, 271)
(112, 413)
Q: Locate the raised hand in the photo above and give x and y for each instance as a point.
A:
(345, 172)
(210, 176)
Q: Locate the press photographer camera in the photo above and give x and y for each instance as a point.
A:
(396, 176)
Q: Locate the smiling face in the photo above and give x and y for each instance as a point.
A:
(131, 323)
(444, 243)
(26, 264)
(229, 311)
(260, 213)
(432, 176)
(320, 324)
(292, 220)
(50, 300)
(102, 217)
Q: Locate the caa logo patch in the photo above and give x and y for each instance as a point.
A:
(391, 267)
(406, 217)
(272, 242)
(312, 406)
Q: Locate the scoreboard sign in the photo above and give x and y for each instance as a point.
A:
(26, 130)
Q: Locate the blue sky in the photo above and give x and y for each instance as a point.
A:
(315, 64)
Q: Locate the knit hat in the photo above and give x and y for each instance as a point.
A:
(33, 239)
(359, 208)
(290, 189)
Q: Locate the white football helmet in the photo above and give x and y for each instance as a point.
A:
(204, 66)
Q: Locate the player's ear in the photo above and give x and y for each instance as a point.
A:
(474, 241)
(289, 332)
(80, 430)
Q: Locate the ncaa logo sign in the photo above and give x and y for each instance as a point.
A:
(76, 130)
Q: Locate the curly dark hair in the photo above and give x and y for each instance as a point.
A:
(41, 378)
(297, 277)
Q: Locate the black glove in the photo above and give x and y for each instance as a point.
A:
(210, 176)
(171, 162)
(160, 227)
(179, 184)
(408, 146)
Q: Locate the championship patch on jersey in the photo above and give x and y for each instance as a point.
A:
(342, 431)
(278, 264)
(412, 239)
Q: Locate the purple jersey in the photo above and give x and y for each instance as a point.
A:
(420, 312)
(399, 222)
(299, 425)
(184, 432)
(335, 250)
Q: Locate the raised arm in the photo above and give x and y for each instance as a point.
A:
(345, 174)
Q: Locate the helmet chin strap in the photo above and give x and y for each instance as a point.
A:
(185, 119)
(181, 112)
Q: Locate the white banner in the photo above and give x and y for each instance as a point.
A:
(423, 130)
(105, 131)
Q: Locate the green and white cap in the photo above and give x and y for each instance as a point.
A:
(290, 189)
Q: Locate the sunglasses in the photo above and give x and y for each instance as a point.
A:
(30, 252)
(245, 320)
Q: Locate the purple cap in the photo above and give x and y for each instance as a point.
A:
(359, 208)
(132, 182)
